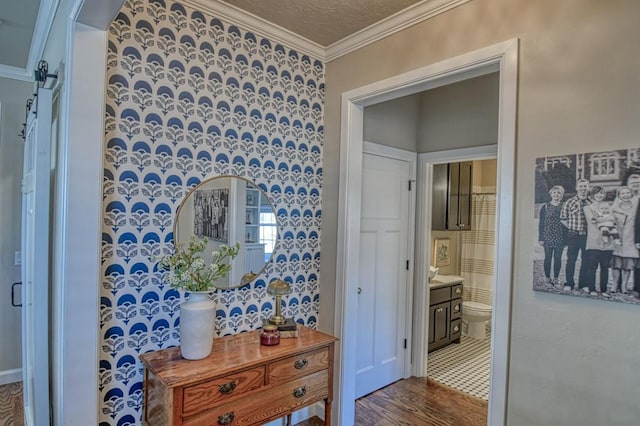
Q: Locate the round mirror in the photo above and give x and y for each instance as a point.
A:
(227, 210)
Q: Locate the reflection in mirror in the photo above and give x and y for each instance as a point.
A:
(227, 210)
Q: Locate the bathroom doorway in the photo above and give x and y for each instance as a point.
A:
(461, 358)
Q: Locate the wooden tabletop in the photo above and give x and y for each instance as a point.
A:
(230, 353)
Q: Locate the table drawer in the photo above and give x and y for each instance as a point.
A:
(202, 396)
(297, 366)
(270, 403)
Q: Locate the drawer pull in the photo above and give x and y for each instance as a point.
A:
(300, 364)
(458, 290)
(456, 308)
(227, 388)
(439, 310)
(456, 329)
(226, 418)
(300, 392)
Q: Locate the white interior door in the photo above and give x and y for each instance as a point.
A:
(35, 261)
(385, 272)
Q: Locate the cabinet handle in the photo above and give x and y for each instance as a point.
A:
(458, 290)
(227, 388)
(300, 392)
(439, 310)
(300, 364)
(456, 307)
(456, 328)
(226, 418)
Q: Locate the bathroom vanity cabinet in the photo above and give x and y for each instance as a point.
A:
(241, 382)
(452, 187)
(445, 311)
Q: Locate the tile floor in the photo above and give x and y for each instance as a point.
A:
(464, 366)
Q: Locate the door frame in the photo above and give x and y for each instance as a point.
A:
(501, 57)
(426, 161)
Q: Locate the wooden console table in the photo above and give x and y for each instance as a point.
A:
(241, 382)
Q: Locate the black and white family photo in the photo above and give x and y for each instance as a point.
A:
(586, 213)
(211, 207)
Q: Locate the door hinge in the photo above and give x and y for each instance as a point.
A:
(411, 184)
(405, 343)
(407, 265)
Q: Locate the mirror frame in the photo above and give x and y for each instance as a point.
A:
(191, 192)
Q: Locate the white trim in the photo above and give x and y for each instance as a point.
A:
(423, 238)
(77, 242)
(505, 56)
(397, 22)
(15, 73)
(10, 376)
(44, 21)
(41, 30)
(257, 25)
(411, 158)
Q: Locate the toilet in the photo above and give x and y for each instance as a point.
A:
(476, 314)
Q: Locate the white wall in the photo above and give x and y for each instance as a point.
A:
(13, 97)
(578, 82)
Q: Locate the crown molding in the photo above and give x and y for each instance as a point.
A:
(395, 23)
(259, 26)
(16, 73)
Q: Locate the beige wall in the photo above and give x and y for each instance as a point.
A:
(572, 361)
(459, 115)
(393, 123)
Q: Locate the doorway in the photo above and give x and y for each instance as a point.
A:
(501, 57)
(462, 359)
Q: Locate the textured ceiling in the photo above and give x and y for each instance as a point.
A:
(16, 29)
(322, 21)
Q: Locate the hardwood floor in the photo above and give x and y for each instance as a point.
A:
(417, 401)
(11, 405)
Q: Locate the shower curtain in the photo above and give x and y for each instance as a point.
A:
(478, 250)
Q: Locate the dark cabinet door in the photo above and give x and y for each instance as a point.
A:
(464, 195)
(451, 198)
(439, 316)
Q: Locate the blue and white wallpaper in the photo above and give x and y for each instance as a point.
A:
(190, 96)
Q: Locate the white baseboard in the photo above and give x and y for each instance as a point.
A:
(301, 415)
(10, 376)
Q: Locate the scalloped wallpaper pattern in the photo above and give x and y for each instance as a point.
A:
(190, 96)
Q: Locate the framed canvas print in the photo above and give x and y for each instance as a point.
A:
(211, 214)
(586, 216)
(441, 252)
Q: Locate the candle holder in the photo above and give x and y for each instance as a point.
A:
(278, 288)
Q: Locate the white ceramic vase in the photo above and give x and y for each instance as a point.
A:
(197, 325)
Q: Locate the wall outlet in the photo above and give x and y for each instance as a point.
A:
(17, 258)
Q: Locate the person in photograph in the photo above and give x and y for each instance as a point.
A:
(633, 182)
(552, 235)
(625, 257)
(601, 215)
(599, 247)
(572, 217)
